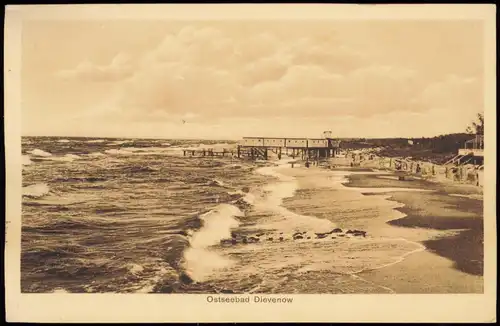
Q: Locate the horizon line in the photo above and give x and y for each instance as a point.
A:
(240, 138)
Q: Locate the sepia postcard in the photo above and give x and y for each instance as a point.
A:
(250, 163)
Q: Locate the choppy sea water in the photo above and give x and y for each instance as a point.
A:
(119, 215)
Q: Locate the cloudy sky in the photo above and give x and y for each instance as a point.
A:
(228, 79)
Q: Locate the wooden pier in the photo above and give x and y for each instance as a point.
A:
(305, 148)
(207, 152)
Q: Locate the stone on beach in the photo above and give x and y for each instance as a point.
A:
(185, 278)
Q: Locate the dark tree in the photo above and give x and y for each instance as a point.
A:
(477, 126)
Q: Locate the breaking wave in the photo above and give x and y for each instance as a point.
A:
(26, 160)
(39, 152)
(36, 191)
(217, 224)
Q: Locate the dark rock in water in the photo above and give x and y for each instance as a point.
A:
(298, 237)
(349, 232)
(281, 232)
(334, 238)
(245, 189)
(233, 241)
(254, 239)
(184, 233)
(337, 230)
(216, 183)
(269, 239)
(164, 289)
(233, 234)
(281, 238)
(259, 234)
(309, 238)
(245, 240)
(341, 235)
(321, 235)
(185, 278)
(297, 233)
(359, 233)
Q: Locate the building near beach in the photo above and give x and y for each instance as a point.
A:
(471, 153)
(307, 148)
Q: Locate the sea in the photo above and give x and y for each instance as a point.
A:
(102, 215)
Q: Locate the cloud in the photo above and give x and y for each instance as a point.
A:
(119, 69)
(209, 75)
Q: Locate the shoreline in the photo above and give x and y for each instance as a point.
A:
(459, 256)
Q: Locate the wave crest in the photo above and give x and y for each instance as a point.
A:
(36, 191)
(39, 152)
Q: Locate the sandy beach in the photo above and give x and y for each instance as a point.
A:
(446, 219)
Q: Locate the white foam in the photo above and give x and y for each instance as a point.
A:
(36, 190)
(217, 224)
(63, 141)
(287, 220)
(65, 158)
(39, 152)
(142, 151)
(135, 269)
(96, 154)
(96, 141)
(249, 198)
(26, 160)
(119, 142)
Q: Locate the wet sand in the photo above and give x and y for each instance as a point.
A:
(451, 263)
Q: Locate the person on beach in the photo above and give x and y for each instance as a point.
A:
(307, 164)
(418, 169)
